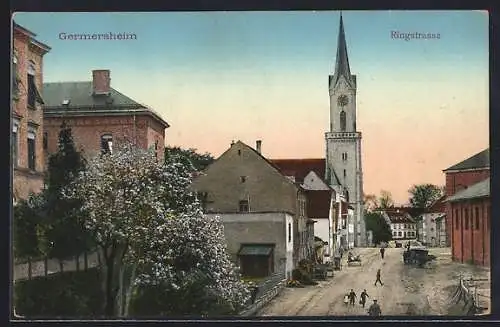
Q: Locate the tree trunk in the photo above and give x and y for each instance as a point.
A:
(30, 273)
(86, 261)
(45, 266)
(61, 265)
(77, 262)
(131, 286)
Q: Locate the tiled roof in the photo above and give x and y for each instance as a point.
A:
(299, 168)
(398, 216)
(479, 160)
(318, 203)
(478, 190)
(82, 100)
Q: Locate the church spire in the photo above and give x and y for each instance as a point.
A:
(342, 60)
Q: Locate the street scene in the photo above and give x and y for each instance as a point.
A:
(183, 165)
(407, 291)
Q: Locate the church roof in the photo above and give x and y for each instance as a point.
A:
(479, 160)
(299, 168)
(342, 60)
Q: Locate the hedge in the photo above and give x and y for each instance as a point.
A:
(69, 294)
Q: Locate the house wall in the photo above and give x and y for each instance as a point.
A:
(26, 180)
(456, 181)
(87, 131)
(405, 229)
(321, 230)
(265, 189)
(289, 245)
(428, 229)
(471, 244)
(258, 228)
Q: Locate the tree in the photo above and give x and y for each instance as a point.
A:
(370, 202)
(199, 161)
(385, 200)
(64, 217)
(379, 227)
(150, 229)
(27, 231)
(422, 197)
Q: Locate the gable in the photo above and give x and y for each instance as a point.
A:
(313, 182)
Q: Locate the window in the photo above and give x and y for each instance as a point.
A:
(243, 206)
(107, 144)
(243, 179)
(477, 218)
(289, 232)
(31, 148)
(345, 173)
(15, 142)
(239, 152)
(45, 140)
(456, 219)
(400, 234)
(342, 121)
(156, 149)
(466, 216)
(344, 156)
(33, 94)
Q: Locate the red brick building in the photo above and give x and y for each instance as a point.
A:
(468, 209)
(27, 115)
(99, 115)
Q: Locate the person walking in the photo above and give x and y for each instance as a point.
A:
(382, 252)
(362, 298)
(352, 297)
(374, 309)
(378, 280)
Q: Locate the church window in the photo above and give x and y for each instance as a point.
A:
(345, 173)
(342, 121)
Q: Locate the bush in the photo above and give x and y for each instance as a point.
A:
(67, 294)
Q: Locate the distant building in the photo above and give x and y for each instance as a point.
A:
(27, 115)
(99, 117)
(402, 225)
(430, 224)
(264, 212)
(468, 209)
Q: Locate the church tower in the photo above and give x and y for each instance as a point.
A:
(343, 141)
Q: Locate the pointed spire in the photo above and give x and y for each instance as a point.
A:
(342, 61)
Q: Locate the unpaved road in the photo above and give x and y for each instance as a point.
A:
(406, 291)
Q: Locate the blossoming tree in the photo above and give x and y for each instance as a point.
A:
(151, 231)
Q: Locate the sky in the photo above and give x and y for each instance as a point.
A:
(422, 104)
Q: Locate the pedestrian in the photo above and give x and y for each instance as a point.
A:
(352, 297)
(362, 298)
(382, 252)
(378, 279)
(374, 309)
(346, 299)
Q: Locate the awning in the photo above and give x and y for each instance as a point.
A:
(255, 249)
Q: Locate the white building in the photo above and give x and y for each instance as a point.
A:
(428, 229)
(402, 225)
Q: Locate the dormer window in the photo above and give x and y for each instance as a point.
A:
(33, 93)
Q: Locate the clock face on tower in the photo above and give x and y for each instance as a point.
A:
(342, 100)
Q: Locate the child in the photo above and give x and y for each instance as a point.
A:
(346, 299)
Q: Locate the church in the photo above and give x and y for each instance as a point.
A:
(341, 170)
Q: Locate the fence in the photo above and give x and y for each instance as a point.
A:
(465, 301)
(45, 267)
(267, 290)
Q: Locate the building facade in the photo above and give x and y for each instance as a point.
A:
(430, 224)
(471, 224)
(343, 142)
(402, 225)
(27, 115)
(99, 117)
(460, 177)
(241, 182)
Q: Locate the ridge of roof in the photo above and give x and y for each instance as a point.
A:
(479, 160)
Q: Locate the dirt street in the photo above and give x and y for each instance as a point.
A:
(406, 291)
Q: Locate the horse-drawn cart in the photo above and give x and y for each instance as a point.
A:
(353, 260)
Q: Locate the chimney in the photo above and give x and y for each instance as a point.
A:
(101, 82)
(232, 142)
(258, 146)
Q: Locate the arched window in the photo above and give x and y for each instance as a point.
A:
(346, 195)
(342, 120)
(107, 143)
